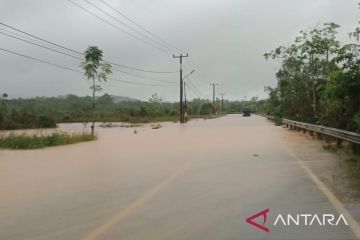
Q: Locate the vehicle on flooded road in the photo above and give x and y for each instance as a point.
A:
(246, 112)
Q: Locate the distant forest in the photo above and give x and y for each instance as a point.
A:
(45, 112)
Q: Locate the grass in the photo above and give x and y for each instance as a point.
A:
(138, 122)
(39, 141)
(155, 126)
(135, 120)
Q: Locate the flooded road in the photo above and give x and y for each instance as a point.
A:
(195, 181)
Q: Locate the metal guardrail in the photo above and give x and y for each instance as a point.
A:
(333, 132)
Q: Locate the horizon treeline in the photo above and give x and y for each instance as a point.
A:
(45, 112)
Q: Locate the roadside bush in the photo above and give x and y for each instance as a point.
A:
(46, 122)
(35, 141)
(173, 112)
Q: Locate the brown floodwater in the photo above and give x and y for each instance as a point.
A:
(193, 181)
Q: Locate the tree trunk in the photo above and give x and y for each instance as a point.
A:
(314, 99)
(93, 109)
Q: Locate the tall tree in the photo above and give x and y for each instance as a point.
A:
(3, 109)
(95, 70)
(306, 65)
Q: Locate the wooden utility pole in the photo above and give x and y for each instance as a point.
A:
(222, 102)
(182, 118)
(213, 85)
(185, 104)
(214, 100)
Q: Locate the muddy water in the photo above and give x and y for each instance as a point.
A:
(62, 127)
(191, 181)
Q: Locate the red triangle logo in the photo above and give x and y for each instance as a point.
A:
(262, 226)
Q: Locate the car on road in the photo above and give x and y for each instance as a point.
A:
(246, 112)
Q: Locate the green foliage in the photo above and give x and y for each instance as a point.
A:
(319, 79)
(33, 142)
(154, 109)
(44, 112)
(46, 122)
(95, 69)
(206, 109)
(24, 118)
(357, 122)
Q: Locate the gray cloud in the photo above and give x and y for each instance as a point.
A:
(225, 39)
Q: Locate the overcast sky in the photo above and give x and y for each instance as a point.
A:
(224, 38)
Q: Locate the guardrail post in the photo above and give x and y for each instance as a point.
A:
(338, 142)
(355, 148)
(319, 136)
(326, 133)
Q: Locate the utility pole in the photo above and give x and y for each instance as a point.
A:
(185, 103)
(181, 87)
(222, 102)
(213, 85)
(214, 103)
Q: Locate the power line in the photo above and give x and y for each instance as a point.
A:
(54, 50)
(55, 44)
(193, 85)
(39, 45)
(116, 27)
(77, 71)
(193, 64)
(138, 69)
(51, 49)
(40, 60)
(80, 53)
(25, 37)
(126, 25)
(193, 89)
(141, 27)
(139, 76)
(140, 83)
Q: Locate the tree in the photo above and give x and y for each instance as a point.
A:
(3, 109)
(95, 69)
(207, 109)
(306, 68)
(155, 105)
(319, 79)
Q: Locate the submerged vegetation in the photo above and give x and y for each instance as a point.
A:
(43, 112)
(41, 141)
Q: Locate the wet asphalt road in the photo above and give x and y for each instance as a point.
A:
(190, 182)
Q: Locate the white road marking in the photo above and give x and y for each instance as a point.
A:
(132, 207)
(353, 224)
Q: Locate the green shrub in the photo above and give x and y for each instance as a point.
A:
(35, 141)
(173, 112)
(357, 122)
(46, 122)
